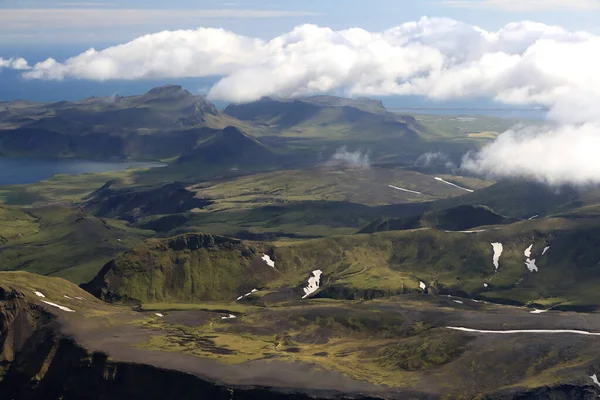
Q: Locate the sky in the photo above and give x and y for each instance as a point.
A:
(38, 29)
(516, 53)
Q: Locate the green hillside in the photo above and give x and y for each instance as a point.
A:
(188, 268)
(61, 241)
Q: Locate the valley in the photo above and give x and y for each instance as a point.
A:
(319, 247)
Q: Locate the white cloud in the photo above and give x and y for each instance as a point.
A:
(566, 154)
(438, 58)
(14, 63)
(522, 63)
(528, 5)
(351, 159)
(436, 161)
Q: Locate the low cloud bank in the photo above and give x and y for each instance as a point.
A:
(435, 162)
(567, 154)
(347, 159)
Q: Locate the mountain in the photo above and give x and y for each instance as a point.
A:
(230, 149)
(162, 123)
(325, 116)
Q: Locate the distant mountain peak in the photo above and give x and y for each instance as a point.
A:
(167, 90)
(233, 132)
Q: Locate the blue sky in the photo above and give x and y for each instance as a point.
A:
(37, 29)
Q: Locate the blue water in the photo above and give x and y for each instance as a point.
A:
(29, 170)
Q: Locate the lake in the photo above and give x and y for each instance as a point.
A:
(29, 170)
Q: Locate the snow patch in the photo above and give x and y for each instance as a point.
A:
(268, 260)
(527, 251)
(475, 231)
(594, 379)
(545, 250)
(422, 285)
(536, 311)
(159, 314)
(458, 301)
(247, 294)
(313, 283)
(67, 309)
(457, 328)
(67, 297)
(79, 298)
(485, 285)
(497, 253)
(404, 190)
(39, 294)
(531, 265)
(534, 217)
(452, 184)
(230, 316)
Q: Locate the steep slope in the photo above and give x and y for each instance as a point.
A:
(230, 148)
(185, 268)
(58, 342)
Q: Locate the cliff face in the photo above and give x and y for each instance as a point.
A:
(21, 323)
(38, 362)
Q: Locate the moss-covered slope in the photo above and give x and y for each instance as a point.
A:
(185, 268)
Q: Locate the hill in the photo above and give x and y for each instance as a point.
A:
(133, 203)
(187, 268)
(61, 240)
(525, 199)
(560, 270)
(458, 218)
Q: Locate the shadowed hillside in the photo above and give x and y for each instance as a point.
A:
(133, 203)
(458, 218)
